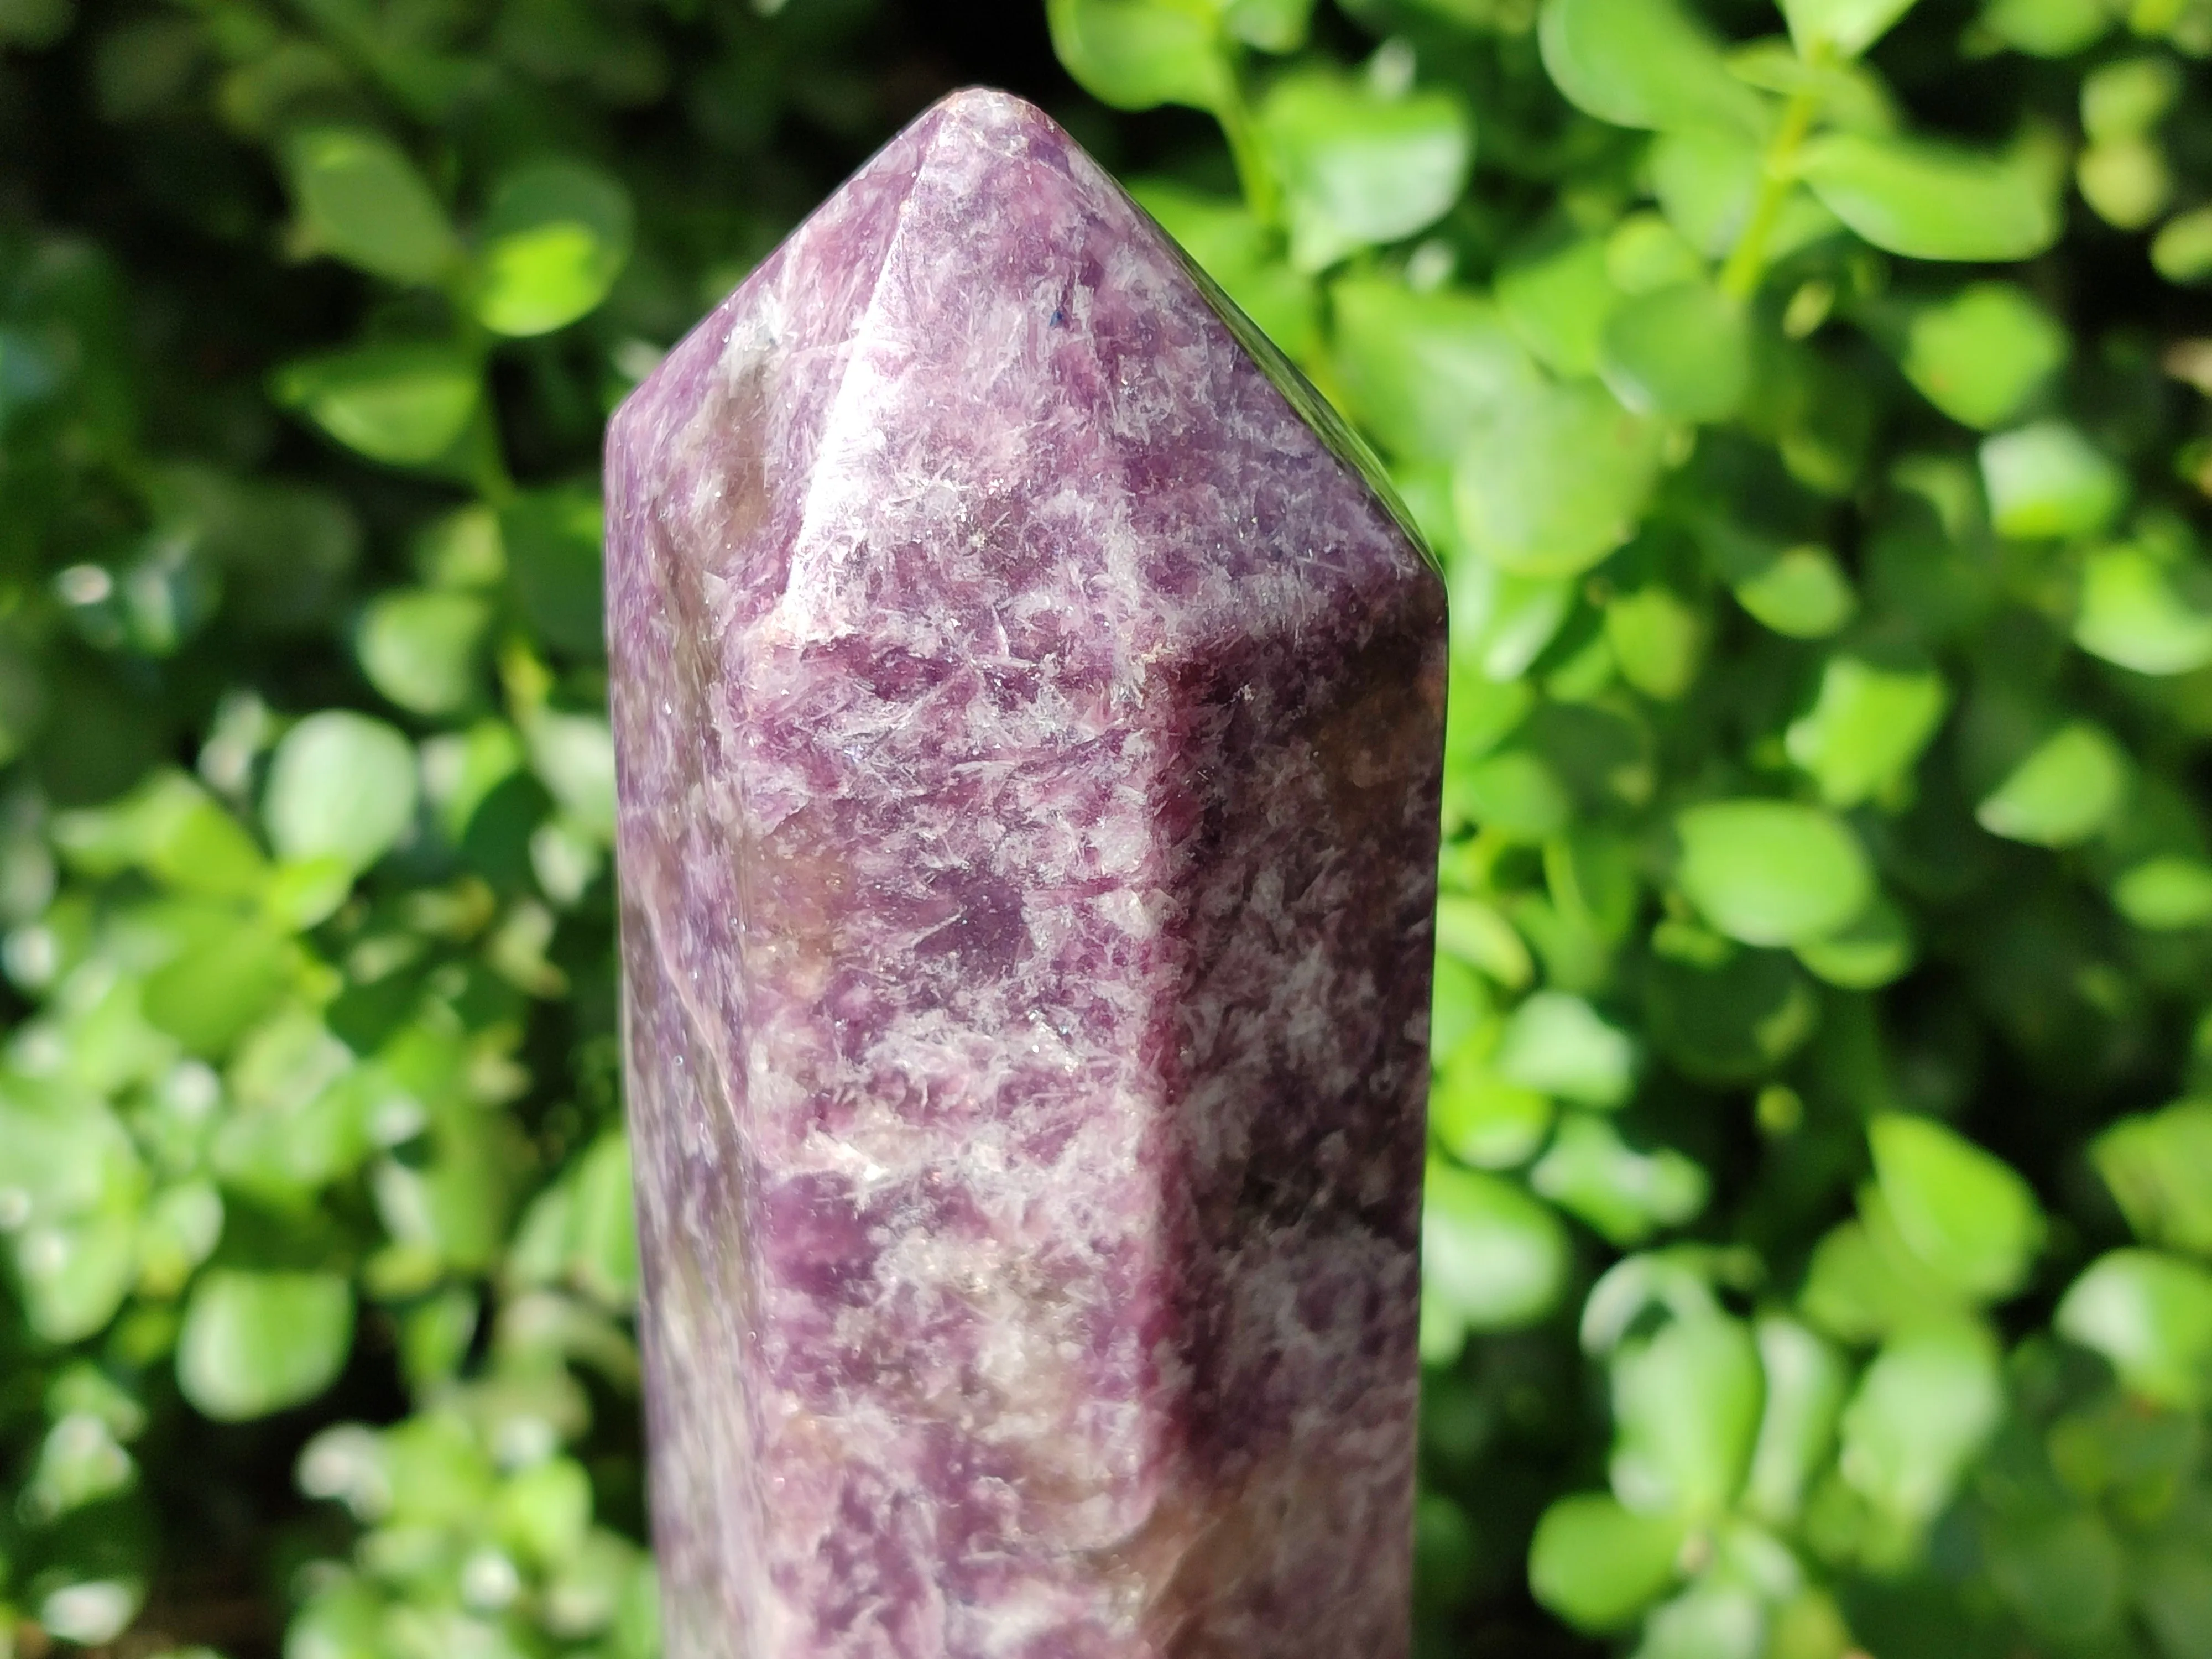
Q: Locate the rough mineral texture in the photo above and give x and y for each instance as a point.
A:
(1029, 729)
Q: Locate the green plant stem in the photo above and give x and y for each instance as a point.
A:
(1747, 260)
(1257, 178)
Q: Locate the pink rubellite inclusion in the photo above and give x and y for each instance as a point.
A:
(1030, 722)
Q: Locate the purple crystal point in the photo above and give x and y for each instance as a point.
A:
(1030, 727)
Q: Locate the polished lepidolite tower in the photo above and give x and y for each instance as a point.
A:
(1029, 719)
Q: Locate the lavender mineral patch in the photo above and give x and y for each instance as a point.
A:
(1030, 724)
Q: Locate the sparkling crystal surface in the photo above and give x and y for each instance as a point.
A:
(1029, 728)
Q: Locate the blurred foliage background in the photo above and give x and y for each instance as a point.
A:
(1808, 406)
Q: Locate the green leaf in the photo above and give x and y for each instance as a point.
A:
(2065, 1574)
(2159, 1166)
(172, 828)
(1686, 1404)
(180, 1229)
(1658, 640)
(1642, 64)
(1552, 484)
(341, 786)
(1982, 354)
(1624, 1194)
(2048, 481)
(359, 199)
(1801, 592)
(1482, 1120)
(1866, 728)
(2182, 250)
(1492, 1255)
(1730, 1022)
(2128, 96)
(1557, 296)
(2166, 895)
(1716, 1617)
(230, 968)
(2151, 1316)
(1863, 1283)
(1418, 370)
(1805, 1381)
(62, 1154)
(543, 1512)
(306, 1116)
(553, 547)
(1501, 620)
(1358, 168)
(1925, 1407)
(423, 647)
(1270, 25)
(1707, 179)
(1561, 1046)
(401, 404)
(1845, 27)
(2048, 28)
(2173, 1587)
(253, 1343)
(1630, 1294)
(1644, 253)
(602, 1256)
(2125, 181)
(1966, 1215)
(1475, 932)
(557, 235)
(573, 756)
(1930, 200)
(1872, 952)
(1459, 1008)
(74, 1274)
(1683, 351)
(2064, 793)
(1769, 872)
(1597, 1564)
(1134, 54)
(2145, 613)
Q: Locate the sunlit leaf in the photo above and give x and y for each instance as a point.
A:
(341, 785)
(1686, 1403)
(1868, 725)
(1967, 1215)
(2151, 1316)
(1495, 1256)
(1980, 356)
(403, 404)
(555, 236)
(1642, 64)
(1553, 482)
(1358, 168)
(1925, 1406)
(1597, 1564)
(254, 1343)
(362, 200)
(2062, 793)
(1847, 27)
(2047, 480)
(1771, 872)
(1683, 350)
(2159, 1166)
(2145, 613)
(1134, 54)
(1931, 201)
